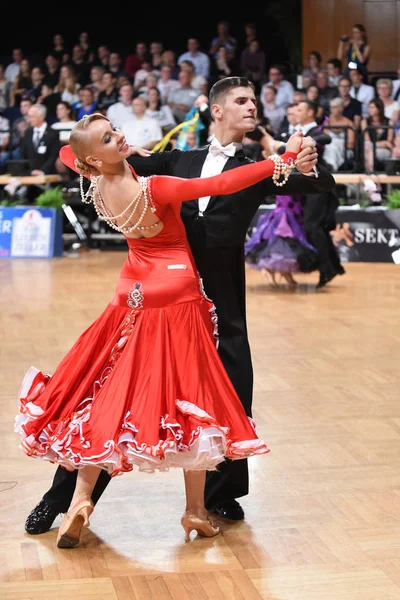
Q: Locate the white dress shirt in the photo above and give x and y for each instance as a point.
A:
(214, 165)
(38, 134)
(364, 94)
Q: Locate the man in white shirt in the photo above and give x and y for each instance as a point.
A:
(200, 60)
(142, 130)
(284, 89)
(121, 112)
(166, 84)
(12, 70)
(360, 91)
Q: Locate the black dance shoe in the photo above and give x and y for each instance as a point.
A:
(324, 279)
(41, 518)
(340, 271)
(229, 510)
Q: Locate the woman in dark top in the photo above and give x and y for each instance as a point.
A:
(358, 51)
(378, 141)
(22, 83)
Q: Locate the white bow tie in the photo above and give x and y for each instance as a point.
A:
(216, 148)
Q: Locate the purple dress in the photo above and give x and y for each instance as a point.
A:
(278, 242)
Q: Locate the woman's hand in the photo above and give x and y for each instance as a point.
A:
(140, 151)
(294, 142)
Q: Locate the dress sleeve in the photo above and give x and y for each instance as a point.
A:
(166, 189)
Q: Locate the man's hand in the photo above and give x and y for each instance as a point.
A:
(141, 151)
(202, 99)
(307, 158)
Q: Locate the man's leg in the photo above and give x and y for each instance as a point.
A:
(314, 216)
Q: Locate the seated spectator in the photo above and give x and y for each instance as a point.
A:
(13, 68)
(121, 112)
(223, 38)
(313, 94)
(284, 88)
(22, 83)
(103, 57)
(289, 123)
(86, 104)
(52, 71)
(79, 65)
(309, 74)
(150, 83)
(19, 128)
(158, 111)
(396, 87)
(67, 85)
(252, 64)
(168, 57)
(88, 51)
(384, 88)
(4, 143)
(360, 91)
(141, 74)
(326, 92)
(96, 80)
(221, 65)
(298, 96)
(115, 65)
(334, 70)
(155, 51)
(338, 151)
(50, 100)
(65, 121)
(199, 82)
(378, 139)
(275, 114)
(5, 90)
(396, 145)
(352, 108)
(109, 93)
(166, 83)
(58, 49)
(181, 100)
(200, 60)
(142, 130)
(134, 60)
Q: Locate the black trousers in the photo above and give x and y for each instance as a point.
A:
(223, 274)
(319, 220)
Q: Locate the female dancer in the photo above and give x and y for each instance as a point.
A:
(144, 384)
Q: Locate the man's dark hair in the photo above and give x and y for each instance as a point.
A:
(222, 87)
(335, 62)
(345, 78)
(311, 106)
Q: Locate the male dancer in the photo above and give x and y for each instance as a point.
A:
(216, 229)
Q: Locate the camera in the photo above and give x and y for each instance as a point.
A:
(344, 38)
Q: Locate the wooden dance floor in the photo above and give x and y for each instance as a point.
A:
(323, 513)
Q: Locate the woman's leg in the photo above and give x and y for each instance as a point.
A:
(196, 516)
(85, 482)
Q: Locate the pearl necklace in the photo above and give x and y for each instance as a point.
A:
(281, 168)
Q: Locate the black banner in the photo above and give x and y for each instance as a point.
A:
(369, 235)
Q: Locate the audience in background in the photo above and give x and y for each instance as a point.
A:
(253, 64)
(65, 121)
(361, 91)
(142, 130)
(352, 108)
(121, 112)
(310, 73)
(200, 60)
(384, 88)
(378, 139)
(341, 147)
(284, 88)
(355, 51)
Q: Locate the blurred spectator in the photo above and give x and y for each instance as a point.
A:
(326, 92)
(22, 83)
(396, 146)
(384, 88)
(250, 32)
(115, 65)
(156, 50)
(284, 88)
(142, 130)
(19, 127)
(220, 65)
(86, 104)
(79, 65)
(150, 82)
(103, 56)
(161, 112)
(5, 90)
(4, 142)
(361, 91)
(67, 85)
(337, 152)
(358, 51)
(37, 77)
(51, 71)
(96, 80)
(307, 117)
(334, 70)
(58, 50)
(309, 74)
(352, 108)
(313, 94)
(196, 81)
(165, 83)
(121, 112)
(50, 100)
(12, 70)
(275, 114)
(133, 61)
(181, 100)
(141, 74)
(252, 64)
(289, 123)
(223, 38)
(378, 141)
(200, 60)
(88, 51)
(298, 96)
(396, 87)
(168, 57)
(65, 121)
(109, 93)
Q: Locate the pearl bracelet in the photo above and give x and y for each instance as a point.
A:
(281, 168)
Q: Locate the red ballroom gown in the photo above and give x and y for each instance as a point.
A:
(144, 384)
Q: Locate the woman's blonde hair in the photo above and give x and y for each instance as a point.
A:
(80, 143)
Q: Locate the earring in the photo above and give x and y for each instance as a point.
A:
(86, 198)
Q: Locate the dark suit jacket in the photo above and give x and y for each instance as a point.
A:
(45, 155)
(227, 218)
